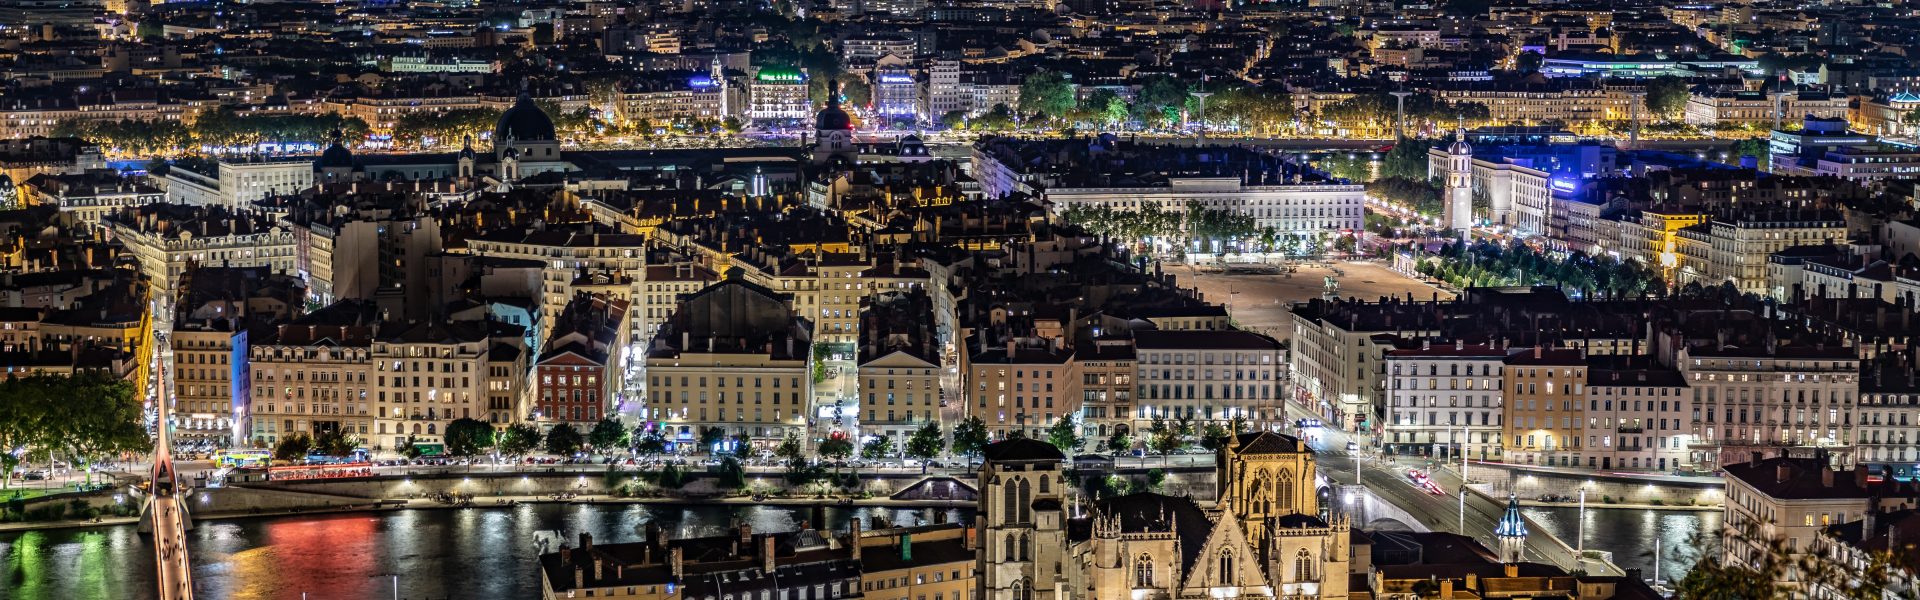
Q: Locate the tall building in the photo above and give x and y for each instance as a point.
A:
(899, 366)
(1023, 521)
(1445, 399)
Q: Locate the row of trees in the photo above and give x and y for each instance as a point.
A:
(1212, 228)
(219, 128)
(1381, 110)
(1161, 102)
(1483, 263)
(81, 418)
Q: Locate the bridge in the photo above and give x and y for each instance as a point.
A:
(167, 515)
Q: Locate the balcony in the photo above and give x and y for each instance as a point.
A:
(1631, 429)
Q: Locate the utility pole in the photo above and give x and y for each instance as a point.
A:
(1400, 122)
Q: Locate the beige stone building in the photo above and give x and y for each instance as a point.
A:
(733, 356)
(1545, 412)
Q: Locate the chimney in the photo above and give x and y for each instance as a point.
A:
(1860, 476)
(586, 541)
(1446, 588)
(674, 563)
(973, 537)
(746, 535)
(1512, 570)
(579, 576)
(1781, 471)
(1826, 477)
(766, 554)
(597, 564)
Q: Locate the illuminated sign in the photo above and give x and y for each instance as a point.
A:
(780, 76)
(1562, 185)
(896, 78)
(701, 81)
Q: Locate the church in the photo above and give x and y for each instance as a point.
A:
(1263, 538)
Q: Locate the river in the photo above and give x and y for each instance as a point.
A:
(1629, 534)
(465, 553)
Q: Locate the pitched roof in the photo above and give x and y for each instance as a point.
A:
(1155, 513)
(1019, 449)
(1268, 442)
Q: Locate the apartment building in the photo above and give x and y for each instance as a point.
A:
(1444, 399)
(1762, 400)
(1338, 357)
(1108, 371)
(1887, 426)
(1023, 387)
(166, 238)
(1545, 406)
(581, 372)
(88, 197)
(1792, 500)
(1636, 415)
(430, 374)
(1208, 376)
(899, 366)
(316, 374)
(593, 261)
(736, 357)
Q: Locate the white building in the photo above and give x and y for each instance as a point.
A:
(1208, 376)
(1443, 399)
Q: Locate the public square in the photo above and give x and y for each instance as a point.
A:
(1259, 302)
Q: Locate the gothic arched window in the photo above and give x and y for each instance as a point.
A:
(1044, 484)
(1226, 566)
(1013, 547)
(1283, 490)
(1026, 547)
(1026, 502)
(1303, 566)
(1011, 511)
(1143, 572)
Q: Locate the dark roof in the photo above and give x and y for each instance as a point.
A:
(1267, 442)
(1156, 513)
(524, 121)
(1019, 449)
(1793, 478)
(335, 157)
(1202, 340)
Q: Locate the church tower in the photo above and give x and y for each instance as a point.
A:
(1512, 532)
(1022, 520)
(467, 159)
(833, 131)
(1459, 193)
(718, 75)
(1264, 476)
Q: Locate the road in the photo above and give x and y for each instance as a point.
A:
(175, 572)
(1386, 477)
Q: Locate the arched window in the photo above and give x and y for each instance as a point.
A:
(1303, 566)
(1013, 547)
(1026, 547)
(1011, 511)
(1026, 501)
(1226, 566)
(1143, 572)
(1023, 590)
(1044, 484)
(1283, 490)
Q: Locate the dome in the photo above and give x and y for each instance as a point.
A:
(1460, 146)
(336, 156)
(524, 122)
(832, 118)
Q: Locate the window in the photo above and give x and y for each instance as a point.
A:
(1143, 572)
(1303, 566)
(1226, 567)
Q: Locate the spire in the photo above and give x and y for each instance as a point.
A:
(1511, 525)
(833, 93)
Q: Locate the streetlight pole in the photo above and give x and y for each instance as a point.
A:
(1203, 113)
(1580, 543)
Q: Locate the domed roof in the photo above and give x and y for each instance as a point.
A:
(524, 122)
(336, 156)
(832, 118)
(1460, 145)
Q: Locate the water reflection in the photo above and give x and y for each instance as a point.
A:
(1630, 534)
(472, 553)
